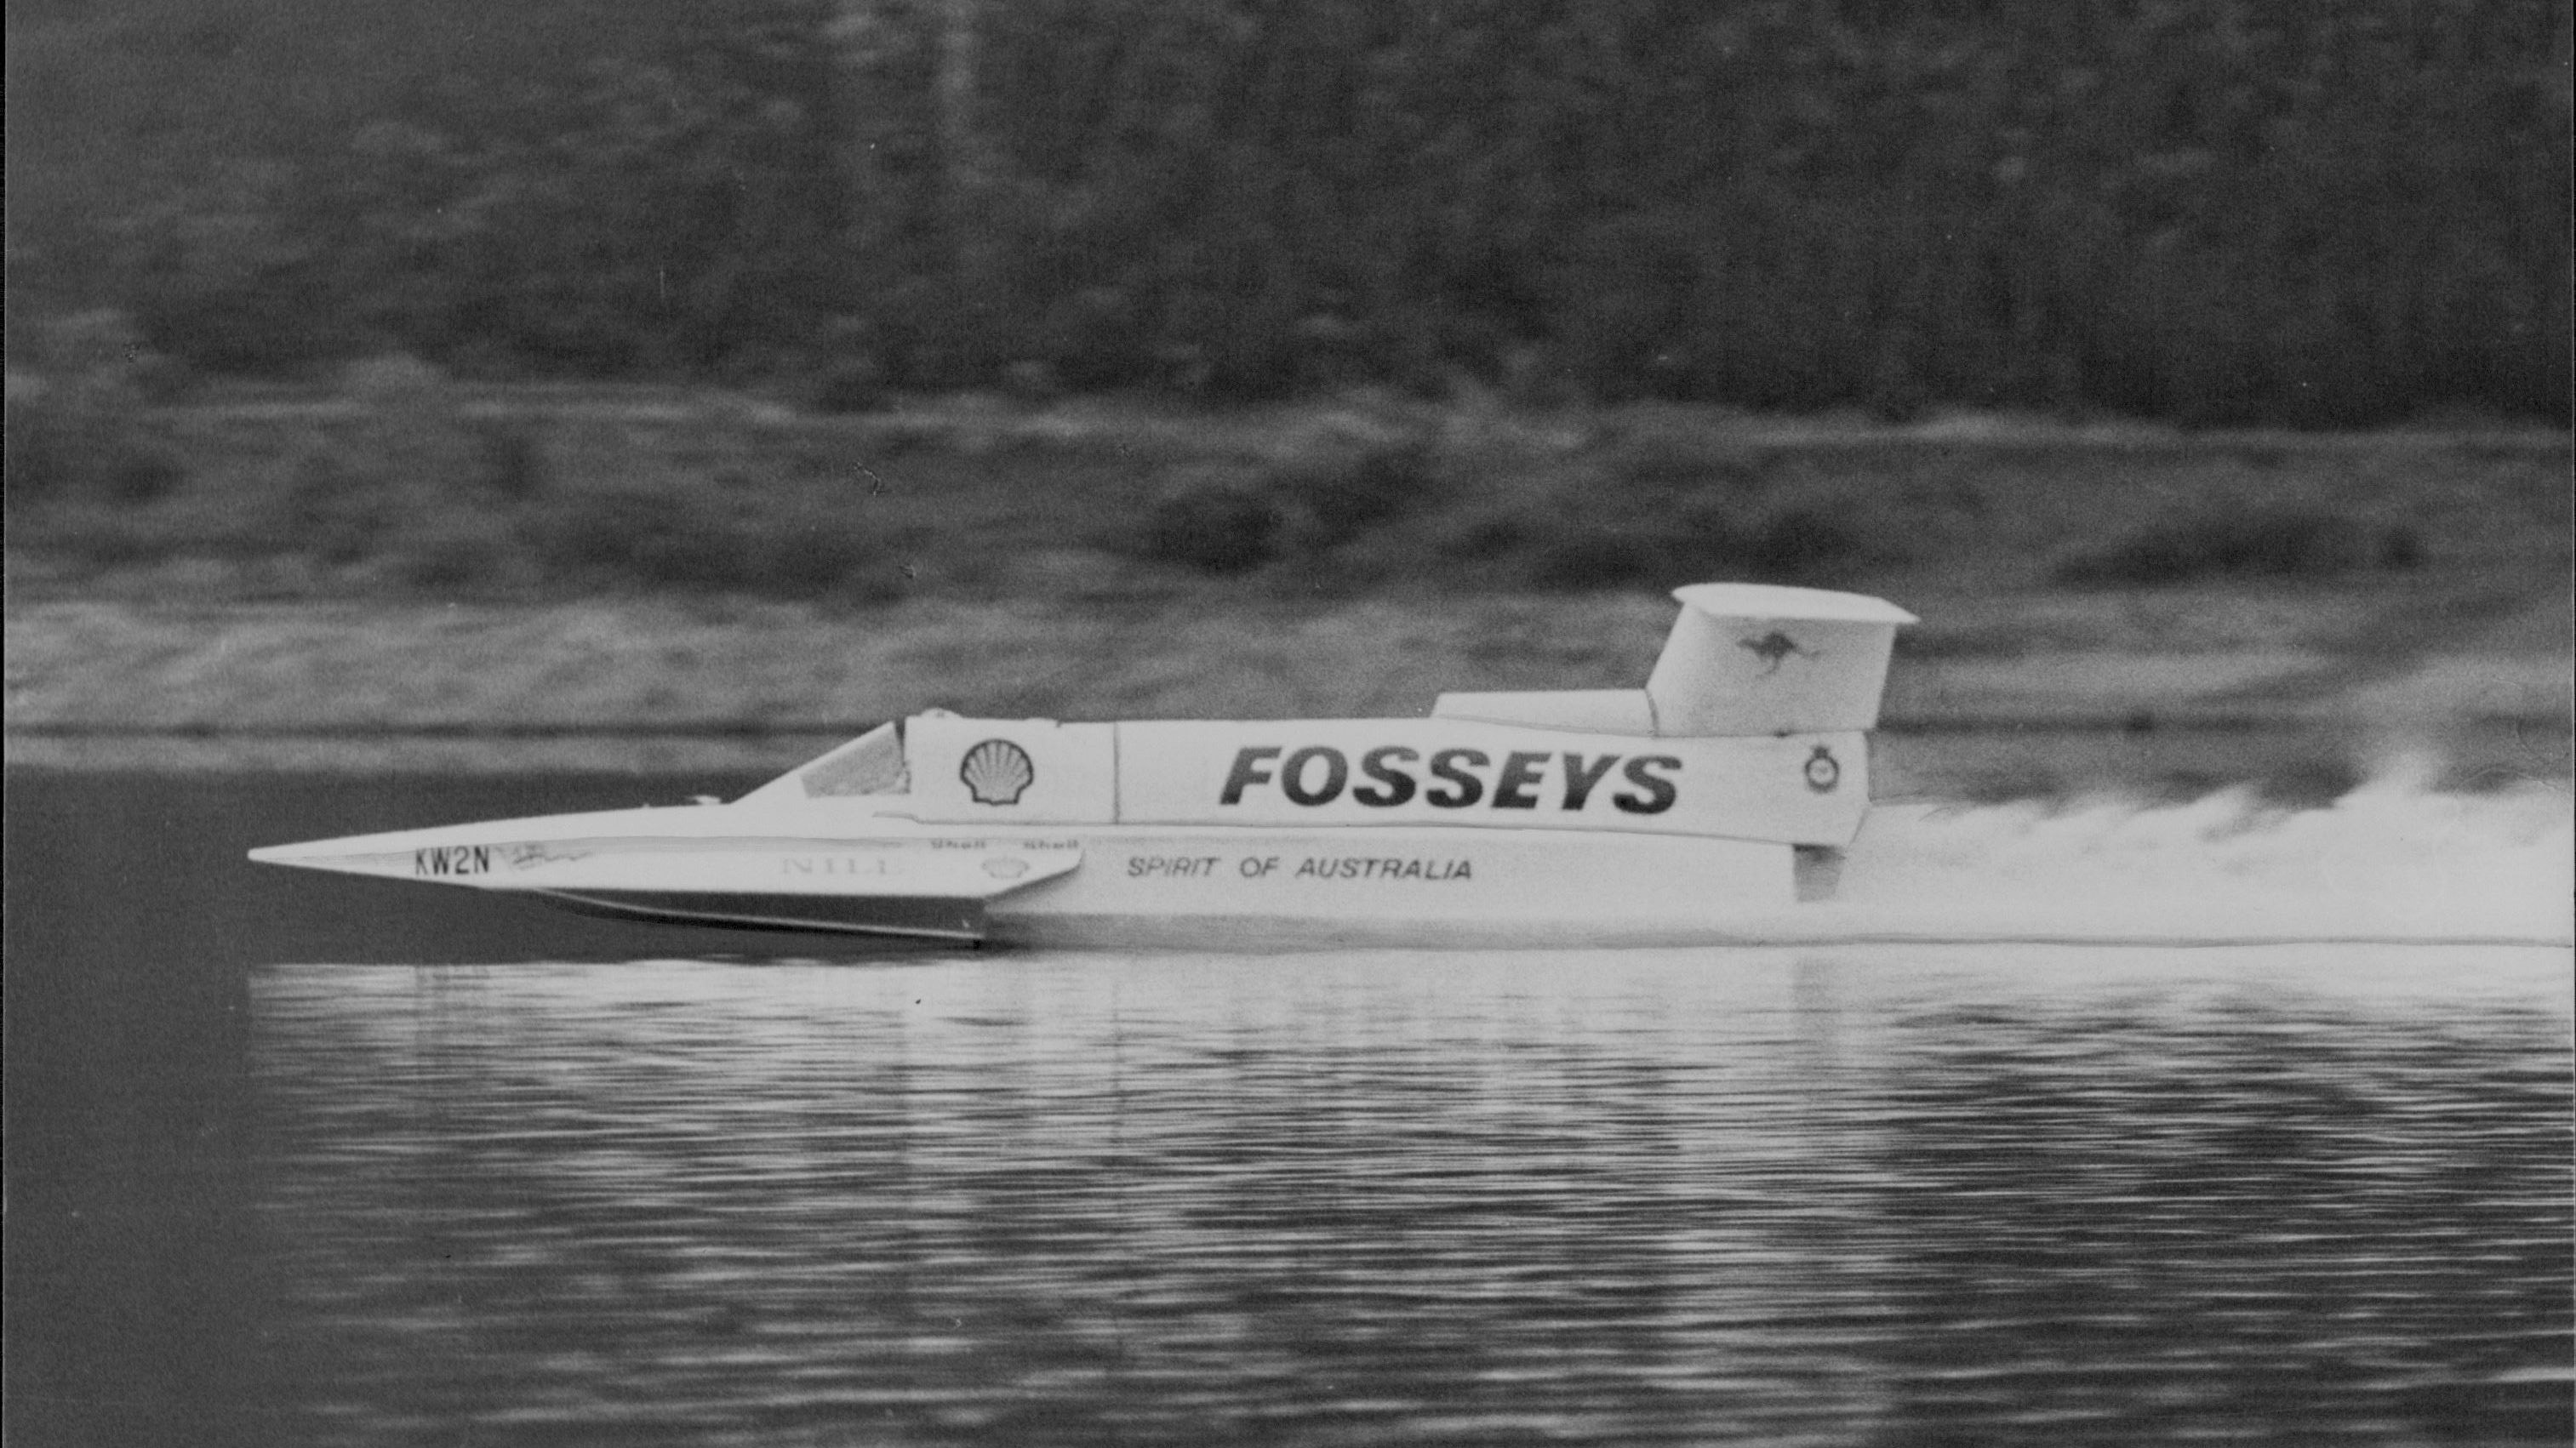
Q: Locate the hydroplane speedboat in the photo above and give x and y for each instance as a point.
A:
(1727, 787)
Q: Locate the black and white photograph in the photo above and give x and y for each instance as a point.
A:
(1300, 723)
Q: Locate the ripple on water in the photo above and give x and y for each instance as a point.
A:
(2017, 1195)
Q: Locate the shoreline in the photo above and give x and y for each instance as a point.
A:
(727, 568)
(742, 687)
(641, 667)
(2263, 768)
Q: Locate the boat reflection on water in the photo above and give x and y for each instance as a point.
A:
(1612, 1196)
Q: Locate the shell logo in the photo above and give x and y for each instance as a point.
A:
(997, 772)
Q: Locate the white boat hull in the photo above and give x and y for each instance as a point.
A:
(1681, 811)
(1130, 884)
(1463, 886)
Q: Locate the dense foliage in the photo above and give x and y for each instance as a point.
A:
(2313, 211)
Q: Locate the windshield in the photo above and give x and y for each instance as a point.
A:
(869, 764)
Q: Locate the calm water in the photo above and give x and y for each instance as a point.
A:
(273, 1178)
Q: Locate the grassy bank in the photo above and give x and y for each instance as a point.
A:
(419, 555)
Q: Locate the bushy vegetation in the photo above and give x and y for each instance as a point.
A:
(1303, 499)
(2257, 543)
(77, 389)
(400, 484)
(404, 481)
(2310, 213)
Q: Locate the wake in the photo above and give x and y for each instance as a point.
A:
(2392, 862)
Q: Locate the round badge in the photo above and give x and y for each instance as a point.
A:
(1823, 771)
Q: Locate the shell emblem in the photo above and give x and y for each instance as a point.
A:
(1823, 770)
(997, 772)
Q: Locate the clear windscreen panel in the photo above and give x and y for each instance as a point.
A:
(869, 764)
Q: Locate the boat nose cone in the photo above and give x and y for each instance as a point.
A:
(362, 855)
(307, 855)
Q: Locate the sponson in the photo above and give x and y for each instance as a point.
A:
(1724, 786)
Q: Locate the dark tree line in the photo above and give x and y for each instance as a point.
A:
(2312, 211)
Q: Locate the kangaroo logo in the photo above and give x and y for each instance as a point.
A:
(1772, 649)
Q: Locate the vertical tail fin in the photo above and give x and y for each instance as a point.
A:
(1750, 659)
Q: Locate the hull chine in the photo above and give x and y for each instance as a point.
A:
(946, 921)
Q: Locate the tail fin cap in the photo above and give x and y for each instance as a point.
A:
(1751, 658)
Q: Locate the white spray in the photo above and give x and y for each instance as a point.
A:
(2393, 860)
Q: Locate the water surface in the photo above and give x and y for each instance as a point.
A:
(296, 1158)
